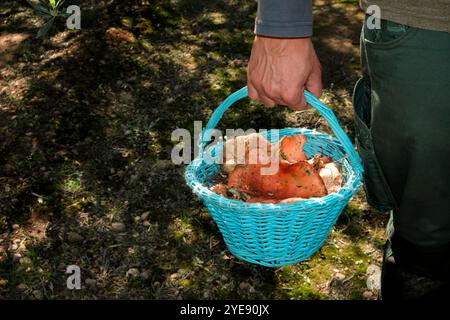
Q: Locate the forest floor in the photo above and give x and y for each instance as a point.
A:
(85, 140)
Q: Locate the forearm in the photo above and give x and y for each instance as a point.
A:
(284, 18)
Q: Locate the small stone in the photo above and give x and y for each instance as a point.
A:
(367, 294)
(145, 215)
(144, 275)
(137, 218)
(164, 164)
(117, 227)
(146, 223)
(21, 287)
(373, 277)
(133, 273)
(38, 294)
(372, 269)
(15, 226)
(3, 282)
(91, 282)
(74, 237)
(243, 285)
(339, 276)
(25, 261)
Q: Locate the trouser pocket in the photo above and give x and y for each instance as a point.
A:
(377, 190)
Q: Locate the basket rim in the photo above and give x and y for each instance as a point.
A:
(352, 184)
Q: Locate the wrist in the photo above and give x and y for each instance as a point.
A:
(275, 44)
(282, 38)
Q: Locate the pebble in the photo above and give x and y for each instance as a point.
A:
(117, 227)
(25, 261)
(74, 237)
(3, 282)
(145, 215)
(133, 273)
(243, 285)
(373, 277)
(163, 164)
(38, 294)
(367, 294)
(146, 223)
(339, 276)
(15, 226)
(22, 287)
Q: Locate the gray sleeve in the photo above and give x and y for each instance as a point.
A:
(284, 18)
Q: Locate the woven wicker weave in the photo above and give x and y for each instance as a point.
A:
(275, 235)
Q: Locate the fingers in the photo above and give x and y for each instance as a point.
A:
(252, 93)
(256, 90)
(299, 106)
(267, 102)
(280, 69)
(293, 98)
(314, 81)
(259, 95)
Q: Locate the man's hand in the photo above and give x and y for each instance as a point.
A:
(280, 69)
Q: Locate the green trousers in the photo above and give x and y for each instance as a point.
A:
(402, 121)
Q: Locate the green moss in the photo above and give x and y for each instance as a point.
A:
(305, 292)
(72, 185)
(186, 283)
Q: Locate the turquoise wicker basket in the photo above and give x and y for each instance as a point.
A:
(275, 235)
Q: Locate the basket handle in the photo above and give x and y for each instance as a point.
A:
(325, 112)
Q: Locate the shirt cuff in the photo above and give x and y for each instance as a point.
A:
(298, 29)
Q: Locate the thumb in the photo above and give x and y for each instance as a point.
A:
(301, 101)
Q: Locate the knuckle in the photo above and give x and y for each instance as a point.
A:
(290, 98)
